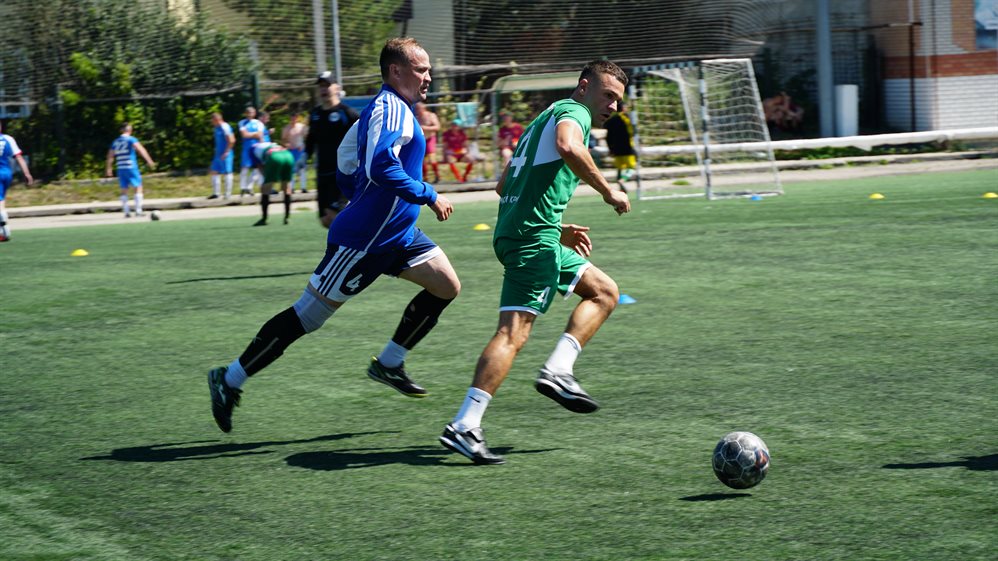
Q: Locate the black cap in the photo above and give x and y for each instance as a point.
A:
(326, 77)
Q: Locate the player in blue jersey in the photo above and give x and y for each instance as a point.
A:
(122, 154)
(251, 132)
(380, 161)
(221, 163)
(8, 150)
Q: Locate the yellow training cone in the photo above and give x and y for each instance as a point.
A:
(990, 195)
(481, 227)
(877, 196)
(79, 253)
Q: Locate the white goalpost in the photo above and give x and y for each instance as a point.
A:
(707, 116)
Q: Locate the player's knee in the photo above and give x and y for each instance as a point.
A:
(312, 311)
(449, 289)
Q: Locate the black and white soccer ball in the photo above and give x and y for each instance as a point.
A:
(154, 215)
(740, 460)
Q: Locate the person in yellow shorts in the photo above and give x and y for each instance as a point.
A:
(620, 142)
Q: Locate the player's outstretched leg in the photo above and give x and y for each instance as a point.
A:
(556, 379)
(223, 398)
(470, 444)
(565, 389)
(396, 378)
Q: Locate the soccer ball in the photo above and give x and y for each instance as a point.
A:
(741, 460)
(154, 215)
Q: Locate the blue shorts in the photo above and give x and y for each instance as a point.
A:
(5, 178)
(129, 178)
(299, 156)
(246, 159)
(344, 272)
(222, 165)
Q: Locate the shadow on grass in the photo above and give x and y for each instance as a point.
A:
(182, 451)
(714, 497)
(369, 457)
(243, 277)
(973, 463)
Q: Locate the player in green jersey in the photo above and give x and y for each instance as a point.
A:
(542, 256)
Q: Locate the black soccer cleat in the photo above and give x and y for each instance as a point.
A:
(396, 377)
(565, 389)
(223, 398)
(470, 444)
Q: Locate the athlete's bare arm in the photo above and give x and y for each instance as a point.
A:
(572, 148)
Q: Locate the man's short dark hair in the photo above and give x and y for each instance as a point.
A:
(603, 67)
(397, 51)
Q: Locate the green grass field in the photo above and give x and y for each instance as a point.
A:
(857, 337)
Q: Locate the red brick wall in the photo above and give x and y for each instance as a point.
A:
(943, 66)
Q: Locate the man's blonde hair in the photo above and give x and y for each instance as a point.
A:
(397, 51)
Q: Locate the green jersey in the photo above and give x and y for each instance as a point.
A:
(539, 183)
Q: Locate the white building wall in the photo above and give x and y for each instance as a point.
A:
(432, 24)
(944, 103)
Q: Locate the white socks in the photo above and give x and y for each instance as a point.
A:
(235, 376)
(393, 355)
(216, 185)
(124, 204)
(138, 203)
(470, 414)
(562, 360)
(4, 228)
(245, 180)
(228, 185)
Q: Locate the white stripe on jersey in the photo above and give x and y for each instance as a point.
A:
(374, 125)
(393, 124)
(346, 154)
(395, 204)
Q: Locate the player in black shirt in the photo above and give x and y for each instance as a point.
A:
(328, 123)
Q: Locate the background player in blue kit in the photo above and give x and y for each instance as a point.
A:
(122, 153)
(221, 163)
(380, 163)
(8, 150)
(251, 132)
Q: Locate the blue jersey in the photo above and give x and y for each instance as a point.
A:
(124, 152)
(8, 149)
(381, 164)
(222, 133)
(249, 125)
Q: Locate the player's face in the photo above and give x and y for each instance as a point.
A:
(412, 80)
(250, 113)
(330, 93)
(601, 95)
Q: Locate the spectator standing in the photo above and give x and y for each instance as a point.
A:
(293, 136)
(328, 123)
(430, 124)
(620, 142)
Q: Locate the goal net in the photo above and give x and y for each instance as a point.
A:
(702, 132)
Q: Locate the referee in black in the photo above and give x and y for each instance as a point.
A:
(328, 123)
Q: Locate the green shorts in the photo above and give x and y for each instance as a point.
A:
(534, 270)
(280, 166)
